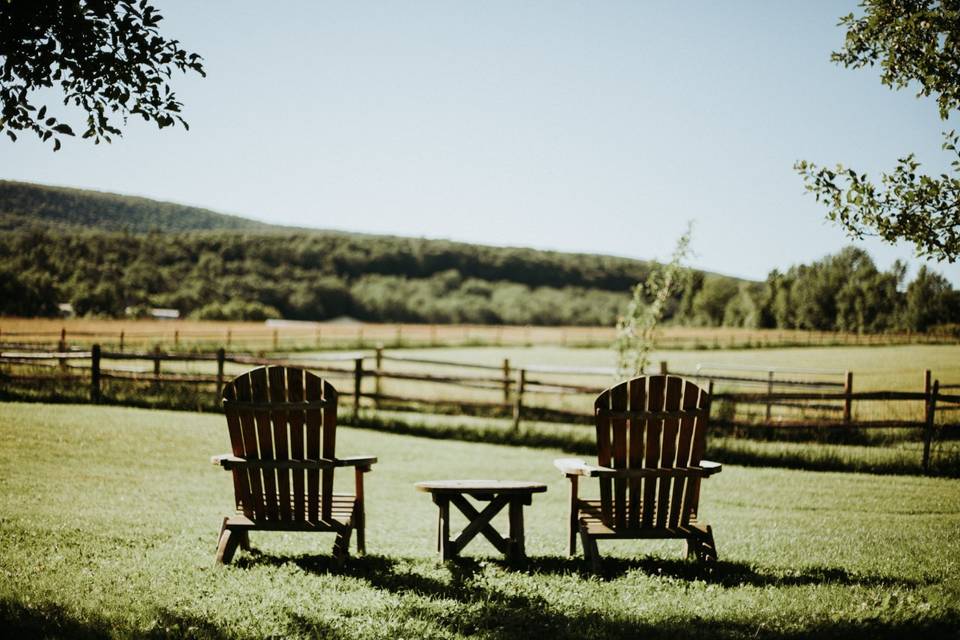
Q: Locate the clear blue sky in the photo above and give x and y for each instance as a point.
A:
(583, 126)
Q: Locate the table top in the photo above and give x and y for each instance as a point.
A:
(480, 486)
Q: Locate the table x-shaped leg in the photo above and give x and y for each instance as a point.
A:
(479, 522)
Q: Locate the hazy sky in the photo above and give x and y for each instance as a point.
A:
(585, 126)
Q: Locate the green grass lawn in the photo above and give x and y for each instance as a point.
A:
(108, 521)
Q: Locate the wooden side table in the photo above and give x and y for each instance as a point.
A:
(499, 493)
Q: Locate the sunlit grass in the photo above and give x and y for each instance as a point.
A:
(108, 521)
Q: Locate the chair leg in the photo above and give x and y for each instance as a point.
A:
(359, 514)
(243, 537)
(574, 522)
(709, 547)
(341, 546)
(359, 519)
(702, 546)
(227, 546)
(590, 551)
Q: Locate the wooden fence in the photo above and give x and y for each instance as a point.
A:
(521, 393)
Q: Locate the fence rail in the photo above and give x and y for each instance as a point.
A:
(519, 395)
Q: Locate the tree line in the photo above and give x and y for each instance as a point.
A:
(316, 276)
(841, 292)
(308, 276)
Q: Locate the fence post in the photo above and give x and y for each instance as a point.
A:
(357, 384)
(847, 401)
(506, 381)
(95, 374)
(376, 376)
(769, 392)
(156, 366)
(663, 367)
(928, 427)
(229, 337)
(518, 398)
(221, 357)
(276, 339)
(121, 340)
(62, 347)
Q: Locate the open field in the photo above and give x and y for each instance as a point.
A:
(259, 336)
(897, 367)
(109, 519)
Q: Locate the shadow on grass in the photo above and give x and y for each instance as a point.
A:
(479, 610)
(48, 620)
(722, 573)
(381, 571)
(502, 613)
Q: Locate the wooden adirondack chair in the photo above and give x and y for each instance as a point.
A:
(651, 433)
(282, 423)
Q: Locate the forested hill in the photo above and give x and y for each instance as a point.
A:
(31, 207)
(133, 252)
(25, 204)
(124, 255)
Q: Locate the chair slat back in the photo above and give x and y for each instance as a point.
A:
(282, 413)
(648, 423)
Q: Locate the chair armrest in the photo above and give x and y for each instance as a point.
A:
(362, 463)
(228, 461)
(710, 468)
(577, 467)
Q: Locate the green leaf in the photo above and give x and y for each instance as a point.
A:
(64, 129)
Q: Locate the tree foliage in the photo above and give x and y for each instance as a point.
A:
(647, 307)
(234, 275)
(89, 249)
(107, 57)
(913, 41)
(256, 275)
(841, 292)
